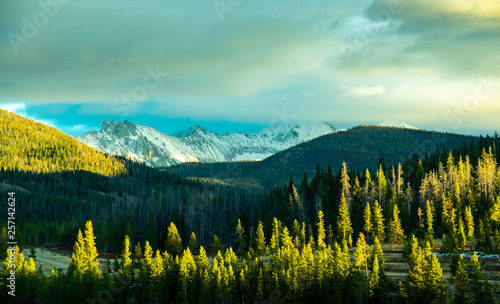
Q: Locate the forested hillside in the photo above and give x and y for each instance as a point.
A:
(362, 147)
(28, 146)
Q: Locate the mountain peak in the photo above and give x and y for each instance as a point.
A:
(396, 123)
(195, 129)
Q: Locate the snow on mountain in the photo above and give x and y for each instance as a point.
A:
(197, 144)
(396, 124)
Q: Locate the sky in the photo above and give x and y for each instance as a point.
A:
(240, 65)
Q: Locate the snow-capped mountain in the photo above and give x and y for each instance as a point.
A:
(198, 144)
(397, 124)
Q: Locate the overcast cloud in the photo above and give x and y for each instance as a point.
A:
(432, 64)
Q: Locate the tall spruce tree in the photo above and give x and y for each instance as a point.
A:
(378, 222)
(260, 240)
(173, 243)
(396, 233)
(344, 226)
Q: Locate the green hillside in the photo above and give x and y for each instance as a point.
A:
(26, 145)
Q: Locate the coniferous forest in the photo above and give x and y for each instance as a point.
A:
(324, 238)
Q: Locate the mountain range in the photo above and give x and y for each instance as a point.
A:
(197, 144)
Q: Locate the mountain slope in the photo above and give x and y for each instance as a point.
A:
(198, 144)
(26, 145)
(361, 147)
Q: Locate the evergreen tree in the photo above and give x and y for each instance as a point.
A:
(434, 282)
(479, 292)
(495, 210)
(173, 243)
(148, 255)
(461, 237)
(79, 258)
(126, 261)
(430, 223)
(425, 276)
(138, 252)
(275, 237)
(187, 274)
(260, 240)
(84, 258)
(376, 250)
(380, 186)
(91, 250)
(216, 246)
(396, 234)
(368, 220)
(321, 232)
(378, 222)
(344, 226)
(469, 223)
(193, 244)
(461, 281)
(374, 277)
(239, 238)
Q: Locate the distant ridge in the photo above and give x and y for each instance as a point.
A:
(360, 147)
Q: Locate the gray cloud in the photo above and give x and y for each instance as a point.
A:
(264, 56)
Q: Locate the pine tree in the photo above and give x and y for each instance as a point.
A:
(275, 237)
(187, 272)
(368, 220)
(79, 258)
(91, 250)
(430, 223)
(478, 291)
(380, 185)
(345, 185)
(425, 277)
(469, 223)
(495, 210)
(321, 232)
(374, 277)
(376, 250)
(416, 274)
(193, 244)
(173, 243)
(157, 267)
(138, 252)
(344, 226)
(461, 281)
(360, 255)
(239, 238)
(378, 222)
(461, 237)
(434, 282)
(148, 255)
(260, 240)
(216, 246)
(396, 233)
(329, 235)
(126, 261)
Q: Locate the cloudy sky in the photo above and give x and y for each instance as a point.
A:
(239, 65)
